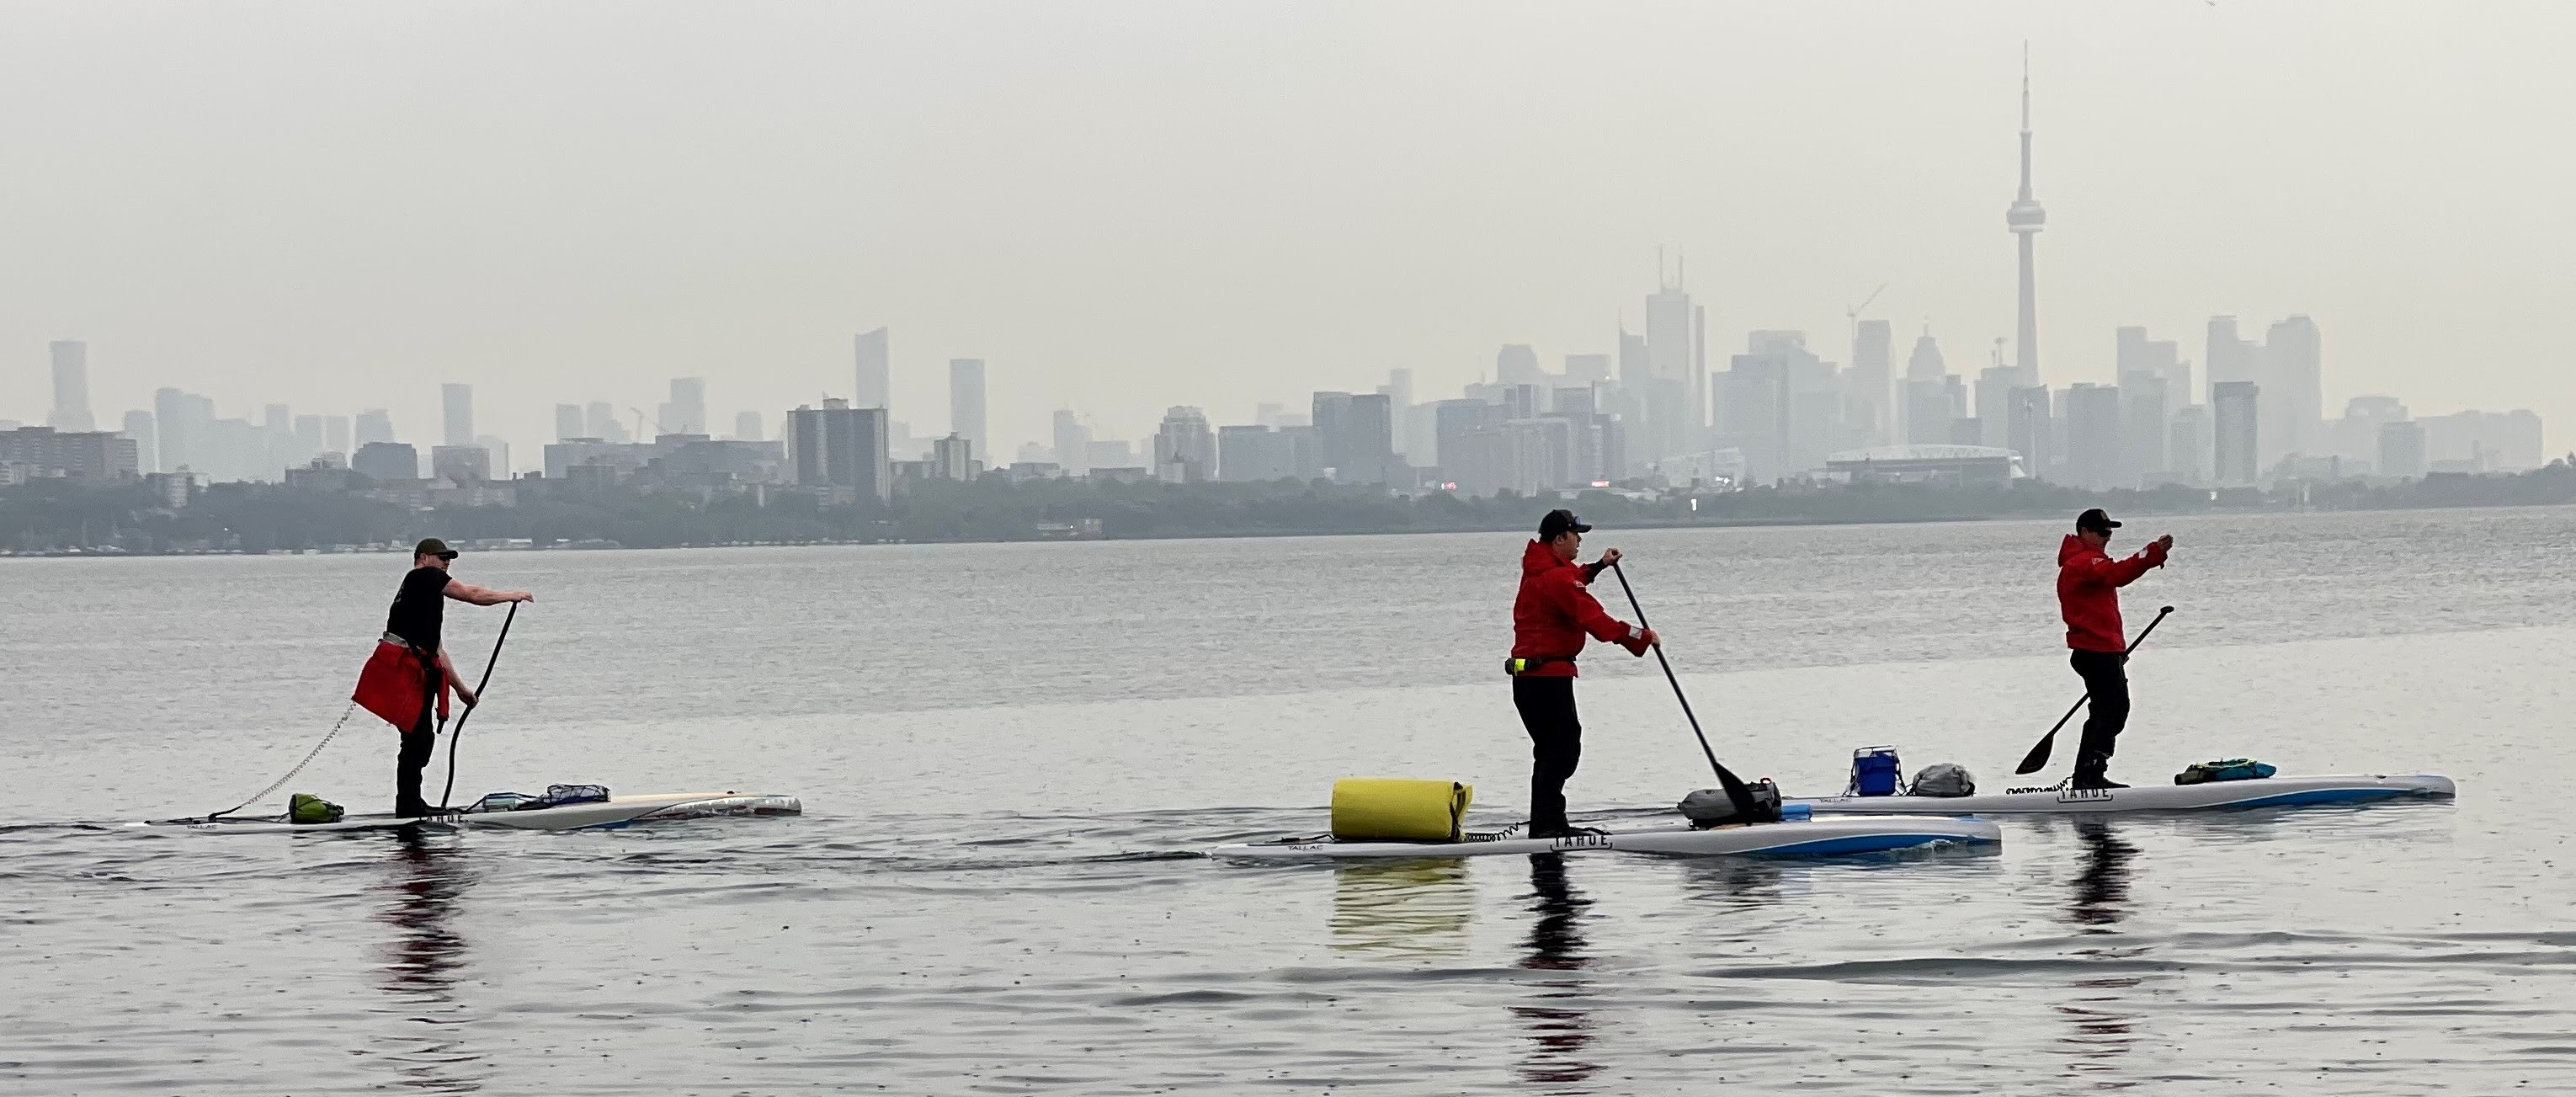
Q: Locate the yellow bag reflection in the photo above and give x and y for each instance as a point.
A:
(1396, 809)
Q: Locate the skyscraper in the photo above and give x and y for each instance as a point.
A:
(374, 425)
(1517, 364)
(1073, 442)
(1676, 353)
(71, 387)
(568, 422)
(876, 372)
(1371, 440)
(2229, 357)
(2293, 390)
(2232, 406)
(2401, 449)
(335, 435)
(1866, 384)
(1332, 422)
(2142, 429)
(746, 426)
(601, 416)
(1994, 405)
(1184, 447)
(138, 426)
(966, 402)
(1398, 391)
(841, 448)
(687, 411)
(457, 401)
(2024, 219)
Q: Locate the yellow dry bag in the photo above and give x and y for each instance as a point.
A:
(1396, 809)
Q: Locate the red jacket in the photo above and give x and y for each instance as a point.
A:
(2088, 592)
(1554, 613)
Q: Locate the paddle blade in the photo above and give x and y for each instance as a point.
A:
(2038, 756)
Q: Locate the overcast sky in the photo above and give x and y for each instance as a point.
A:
(1123, 206)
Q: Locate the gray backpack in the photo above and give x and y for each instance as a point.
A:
(1944, 779)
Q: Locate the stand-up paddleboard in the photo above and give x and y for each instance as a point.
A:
(1805, 838)
(616, 811)
(2216, 795)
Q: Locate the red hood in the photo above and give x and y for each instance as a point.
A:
(1538, 558)
(2073, 547)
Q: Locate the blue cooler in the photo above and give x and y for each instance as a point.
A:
(1875, 772)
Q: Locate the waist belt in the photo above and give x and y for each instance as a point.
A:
(1516, 666)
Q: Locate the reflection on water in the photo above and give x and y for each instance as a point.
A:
(2102, 1022)
(1560, 1028)
(423, 963)
(1404, 909)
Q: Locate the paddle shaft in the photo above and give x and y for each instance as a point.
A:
(2038, 755)
(459, 733)
(1736, 793)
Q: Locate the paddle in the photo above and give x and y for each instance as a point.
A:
(2038, 755)
(1736, 793)
(459, 733)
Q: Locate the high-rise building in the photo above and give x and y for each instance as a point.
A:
(456, 402)
(966, 402)
(953, 458)
(1332, 422)
(100, 456)
(386, 460)
(2293, 390)
(1184, 448)
(1073, 443)
(1371, 441)
(2093, 436)
(2232, 406)
(461, 465)
(2229, 357)
(841, 449)
(1928, 407)
(601, 418)
(308, 438)
(2187, 448)
(499, 449)
(186, 422)
(1866, 385)
(2030, 429)
(71, 387)
(686, 412)
(2481, 441)
(1250, 454)
(2024, 218)
(374, 425)
(2401, 449)
(335, 435)
(1677, 354)
(2134, 352)
(1517, 364)
(2142, 429)
(1398, 391)
(568, 423)
(875, 371)
(2356, 435)
(147, 441)
(1994, 405)
(746, 427)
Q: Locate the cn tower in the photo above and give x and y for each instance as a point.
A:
(2024, 219)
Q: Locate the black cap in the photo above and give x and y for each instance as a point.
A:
(1558, 523)
(434, 547)
(2096, 521)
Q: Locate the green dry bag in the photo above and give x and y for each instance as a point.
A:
(304, 807)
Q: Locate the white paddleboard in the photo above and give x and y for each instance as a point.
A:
(2216, 795)
(1806, 838)
(616, 811)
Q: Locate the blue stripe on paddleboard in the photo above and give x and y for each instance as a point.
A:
(1867, 843)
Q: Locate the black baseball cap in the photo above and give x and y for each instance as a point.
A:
(1558, 523)
(2096, 521)
(433, 547)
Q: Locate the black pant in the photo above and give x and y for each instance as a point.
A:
(1556, 744)
(417, 746)
(2106, 679)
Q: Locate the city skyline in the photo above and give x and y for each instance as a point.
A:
(2137, 239)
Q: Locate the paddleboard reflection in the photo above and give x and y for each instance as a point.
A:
(1403, 909)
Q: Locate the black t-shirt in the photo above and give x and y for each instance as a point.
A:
(417, 607)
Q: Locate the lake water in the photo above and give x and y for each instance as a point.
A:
(1011, 755)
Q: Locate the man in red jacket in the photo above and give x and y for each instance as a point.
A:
(2088, 596)
(1550, 620)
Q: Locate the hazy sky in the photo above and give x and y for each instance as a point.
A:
(1123, 206)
